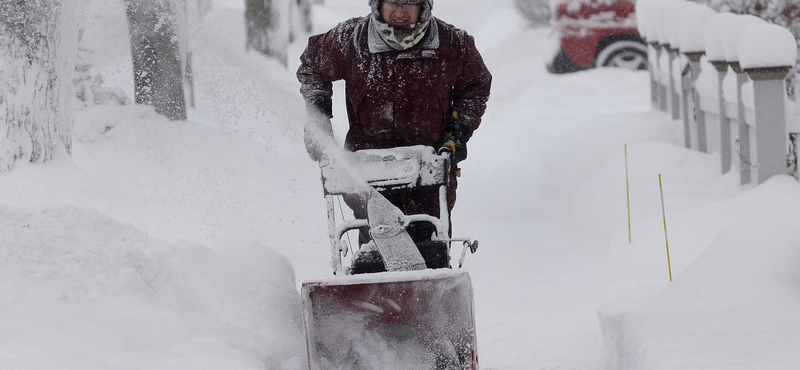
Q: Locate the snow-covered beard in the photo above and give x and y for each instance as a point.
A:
(402, 38)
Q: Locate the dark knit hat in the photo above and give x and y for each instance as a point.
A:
(425, 15)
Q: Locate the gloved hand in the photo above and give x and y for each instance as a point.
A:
(318, 131)
(318, 135)
(455, 138)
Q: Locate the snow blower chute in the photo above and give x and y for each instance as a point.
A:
(411, 311)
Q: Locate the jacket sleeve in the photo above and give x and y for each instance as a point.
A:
(472, 88)
(321, 63)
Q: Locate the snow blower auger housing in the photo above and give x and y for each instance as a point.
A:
(416, 313)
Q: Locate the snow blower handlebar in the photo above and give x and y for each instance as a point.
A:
(396, 169)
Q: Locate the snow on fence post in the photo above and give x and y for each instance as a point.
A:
(656, 22)
(767, 64)
(692, 44)
(715, 51)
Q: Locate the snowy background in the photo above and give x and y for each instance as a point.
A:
(181, 245)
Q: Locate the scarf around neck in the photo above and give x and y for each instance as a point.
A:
(402, 38)
(383, 37)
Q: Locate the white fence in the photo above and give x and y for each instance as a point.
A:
(729, 72)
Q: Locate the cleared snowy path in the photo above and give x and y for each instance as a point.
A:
(541, 274)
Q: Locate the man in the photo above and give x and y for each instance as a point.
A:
(410, 79)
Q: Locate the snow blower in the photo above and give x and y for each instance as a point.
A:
(411, 312)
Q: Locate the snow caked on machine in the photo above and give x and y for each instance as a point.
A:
(407, 308)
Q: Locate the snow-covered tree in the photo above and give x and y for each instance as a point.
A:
(268, 25)
(191, 13)
(156, 52)
(38, 43)
(301, 18)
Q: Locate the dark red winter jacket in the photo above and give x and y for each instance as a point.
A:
(396, 98)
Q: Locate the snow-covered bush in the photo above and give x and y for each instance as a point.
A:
(537, 12)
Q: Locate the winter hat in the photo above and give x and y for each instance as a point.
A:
(425, 15)
(402, 38)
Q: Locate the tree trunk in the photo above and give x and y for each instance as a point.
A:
(36, 68)
(155, 47)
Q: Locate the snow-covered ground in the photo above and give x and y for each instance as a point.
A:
(181, 245)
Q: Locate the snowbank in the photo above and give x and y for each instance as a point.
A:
(734, 307)
(82, 290)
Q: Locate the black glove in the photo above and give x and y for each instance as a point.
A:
(318, 131)
(320, 106)
(455, 138)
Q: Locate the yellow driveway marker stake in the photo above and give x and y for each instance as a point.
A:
(628, 194)
(664, 215)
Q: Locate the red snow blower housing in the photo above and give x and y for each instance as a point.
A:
(416, 313)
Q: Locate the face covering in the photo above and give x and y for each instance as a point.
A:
(402, 38)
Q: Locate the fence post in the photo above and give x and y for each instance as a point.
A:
(770, 112)
(745, 162)
(653, 69)
(768, 64)
(699, 116)
(674, 100)
(662, 88)
(686, 88)
(731, 29)
(724, 124)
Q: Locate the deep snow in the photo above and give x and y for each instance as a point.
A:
(169, 245)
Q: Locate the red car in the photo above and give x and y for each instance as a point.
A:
(596, 33)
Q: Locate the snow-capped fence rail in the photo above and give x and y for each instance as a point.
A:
(694, 50)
